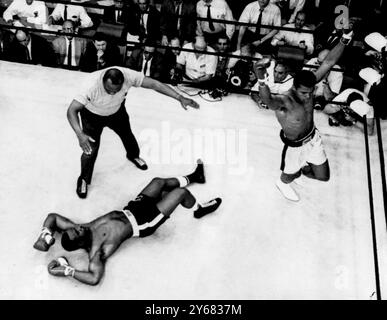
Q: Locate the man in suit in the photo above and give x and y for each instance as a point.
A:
(171, 73)
(100, 54)
(69, 49)
(119, 12)
(173, 26)
(31, 48)
(146, 60)
(6, 38)
(144, 21)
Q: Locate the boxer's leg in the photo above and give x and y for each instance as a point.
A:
(177, 196)
(182, 196)
(158, 185)
(319, 172)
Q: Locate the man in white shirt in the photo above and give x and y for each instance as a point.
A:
(102, 104)
(295, 38)
(279, 81)
(33, 11)
(214, 9)
(260, 12)
(63, 12)
(330, 86)
(289, 8)
(199, 67)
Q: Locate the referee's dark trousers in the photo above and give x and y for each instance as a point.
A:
(93, 124)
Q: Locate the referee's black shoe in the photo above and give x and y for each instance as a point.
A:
(139, 163)
(81, 188)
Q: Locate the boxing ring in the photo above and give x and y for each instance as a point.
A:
(257, 245)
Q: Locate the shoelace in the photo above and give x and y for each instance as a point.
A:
(139, 161)
(209, 203)
(83, 187)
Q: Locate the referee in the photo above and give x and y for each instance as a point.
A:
(102, 104)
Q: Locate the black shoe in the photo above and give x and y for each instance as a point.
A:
(198, 175)
(207, 208)
(139, 163)
(81, 188)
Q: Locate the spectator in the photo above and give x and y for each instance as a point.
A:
(328, 40)
(31, 48)
(146, 60)
(289, 9)
(321, 11)
(100, 54)
(279, 81)
(68, 49)
(144, 21)
(30, 11)
(63, 12)
(238, 6)
(118, 12)
(171, 73)
(296, 38)
(376, 79)
(6, 39)
(214, 9)
(259, 12)
(223, 66)
(330, 86)
(346, 115)
(199, 67)
(172, 26)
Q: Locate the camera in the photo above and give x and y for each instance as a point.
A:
(239, 76)
(176, 76)
(217, 93)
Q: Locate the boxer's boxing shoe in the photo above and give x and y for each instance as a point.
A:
(287, 191)
(207, 208)
(198, 175)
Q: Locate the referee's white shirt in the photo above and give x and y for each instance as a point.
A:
(95, 98)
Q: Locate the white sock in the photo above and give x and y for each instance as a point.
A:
(183, 181)
(196, 206)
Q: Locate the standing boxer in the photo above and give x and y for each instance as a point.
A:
(303, 151)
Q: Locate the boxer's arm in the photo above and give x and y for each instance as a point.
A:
(329, 61)
(272, 102)
(54, 222)
(334, 55)
(95, 271)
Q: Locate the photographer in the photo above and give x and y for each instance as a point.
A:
(347, 109)
(377, 82)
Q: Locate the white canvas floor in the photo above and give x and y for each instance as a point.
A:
(256, 246)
